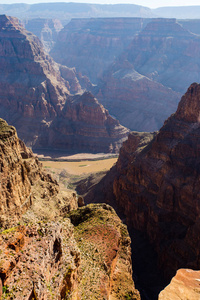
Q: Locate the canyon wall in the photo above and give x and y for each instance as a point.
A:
(36, 93)
(156, 185)
(49, 249)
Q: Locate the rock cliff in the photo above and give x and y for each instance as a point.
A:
(137, 101)
(48, 251)
(167, 53)
(35, 91)
(24, 184)
(156, 185)
(83, 118)
(93, 44)
(45, 29)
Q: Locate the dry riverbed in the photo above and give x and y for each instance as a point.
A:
(67, 173)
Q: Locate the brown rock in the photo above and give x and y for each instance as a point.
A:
(106, 245)
(24, 184)
(156, 185)
(46, 266)
(34, 97)
(185, 285)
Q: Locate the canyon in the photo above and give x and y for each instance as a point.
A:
(37, 97)
(154, 185)
(50, 248)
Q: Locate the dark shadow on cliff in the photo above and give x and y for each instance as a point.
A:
(149, 280)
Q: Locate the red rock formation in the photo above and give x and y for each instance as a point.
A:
(81, 120)
(44, 266)
(185, 285)
(24, 184)
(33, 93)
(157, 185)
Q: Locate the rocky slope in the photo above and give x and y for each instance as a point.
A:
(35, 93)
(137, 101)
(167, 53)
(42, 255)
(24, 184)
(83, 119)
(156, 185)
(45, 29)
(185, 285)
(93, 44)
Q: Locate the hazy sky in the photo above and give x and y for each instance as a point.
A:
(149, 3)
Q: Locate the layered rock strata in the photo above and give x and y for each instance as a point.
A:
(35, 93)
(156, 183)
(84, 119)
(42, 255)
(93, 44)
(137, 101)
(45, 29)
(24, 184)
(167, 53)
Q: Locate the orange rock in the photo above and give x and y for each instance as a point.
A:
(185, 285)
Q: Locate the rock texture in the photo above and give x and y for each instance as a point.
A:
(39, 261)
(35, 93)
(24, 184)
(185, 285)
(45, 29)
(105, 246)
(137, 101)
(41, 255)
(156, 183)
(167, 53)
(93, 44)
(84, 124)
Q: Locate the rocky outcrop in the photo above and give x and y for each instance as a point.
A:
(84, 124)
(24, 184)
(105, 246)
(185, 285)
(93, 44)
(35, 91)
(137, 101)
(167, 53)
(45, 29)
(39, 261)
(156, 185)
(42, 256)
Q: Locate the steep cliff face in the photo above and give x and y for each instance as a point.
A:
(93, 44)
(34, 91)
(46, 30)
(84, 124)
(137, 101)
(156, 185)
(105, 245)
(42, 255)
(24, 184)
(167, 53)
